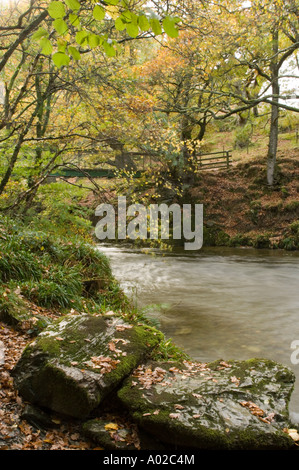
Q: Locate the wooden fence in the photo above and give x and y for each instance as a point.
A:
(205, 161)
(214, 160)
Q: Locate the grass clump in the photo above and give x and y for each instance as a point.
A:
(18, 264)
(55, 271)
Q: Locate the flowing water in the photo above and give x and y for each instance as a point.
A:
(218, 302)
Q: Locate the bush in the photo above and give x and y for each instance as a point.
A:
(243, 137)
(294, 226)
(262, 241)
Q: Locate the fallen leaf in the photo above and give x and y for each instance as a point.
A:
(293, 433)
(254, 409)
(111, 427)
(179, 407)
(235, 380)
(225, 364)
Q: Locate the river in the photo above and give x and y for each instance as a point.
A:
(229, 303)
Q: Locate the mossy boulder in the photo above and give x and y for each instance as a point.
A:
(235, 405)
(110, 436)
(14, 310)
(78, 360)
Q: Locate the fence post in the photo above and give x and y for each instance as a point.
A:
(227, 159)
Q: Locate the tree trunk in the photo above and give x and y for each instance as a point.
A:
(273, 140)
(273, 137)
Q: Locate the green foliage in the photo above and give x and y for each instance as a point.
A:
(169, 25)
(243, 136)
(294, 226)
(168, 351)
(60, 216)
(18, 265)
(292, 206)
(55, 271)
(262, 241)
(291, 240)
(56, 9)
(69, 15)
(49, 294)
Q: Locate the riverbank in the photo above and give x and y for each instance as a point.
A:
(44, 276)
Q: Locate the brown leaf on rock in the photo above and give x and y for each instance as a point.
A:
(123, 327)
(224, 365)
(235, 380)
(148, 377)
(253, 408)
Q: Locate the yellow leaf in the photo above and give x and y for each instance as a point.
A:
(111, 427)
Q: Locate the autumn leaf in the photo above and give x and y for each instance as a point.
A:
(179, 407)
(293, 433)
(111, 427)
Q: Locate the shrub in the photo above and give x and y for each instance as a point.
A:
(243, 137)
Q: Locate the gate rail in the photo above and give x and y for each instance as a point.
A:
(214, 160)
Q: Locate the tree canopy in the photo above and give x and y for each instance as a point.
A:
(122, 82)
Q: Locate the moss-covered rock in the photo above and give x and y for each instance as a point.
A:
(13, 308)
(79, 359)
(235, 405)
(110, 436)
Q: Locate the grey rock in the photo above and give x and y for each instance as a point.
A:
(77, 361)
(235, 405)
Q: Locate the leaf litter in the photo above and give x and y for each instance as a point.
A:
(17, 433)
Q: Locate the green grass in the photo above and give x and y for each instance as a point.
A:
(55, 271)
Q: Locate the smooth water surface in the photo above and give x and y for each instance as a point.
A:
(218, 302)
